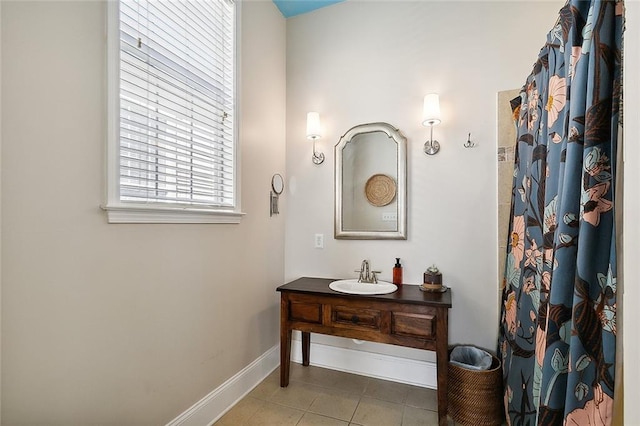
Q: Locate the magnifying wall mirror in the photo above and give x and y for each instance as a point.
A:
(371, 183)
(277, 186)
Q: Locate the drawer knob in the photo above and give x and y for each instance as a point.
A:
(355, 319)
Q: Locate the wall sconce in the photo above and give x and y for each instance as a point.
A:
(313, 133)
(431, 117)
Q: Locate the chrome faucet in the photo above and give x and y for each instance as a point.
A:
(366, 274)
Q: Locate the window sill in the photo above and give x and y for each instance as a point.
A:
(151, 214)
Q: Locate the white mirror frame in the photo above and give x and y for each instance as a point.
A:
(401, 142)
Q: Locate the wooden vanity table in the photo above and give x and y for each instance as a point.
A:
(408, 317)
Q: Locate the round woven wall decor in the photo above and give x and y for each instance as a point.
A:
(380, 190)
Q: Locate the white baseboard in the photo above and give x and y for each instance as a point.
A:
(213, 406)
(403, 370)
(386, 367)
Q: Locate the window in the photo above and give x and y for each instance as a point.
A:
(172, 133)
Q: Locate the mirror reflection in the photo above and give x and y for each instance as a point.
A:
(371, 183)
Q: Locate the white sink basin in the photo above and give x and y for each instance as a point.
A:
(354, 287)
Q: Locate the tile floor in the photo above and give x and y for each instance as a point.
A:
(318, 396)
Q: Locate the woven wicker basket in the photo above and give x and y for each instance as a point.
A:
(475, 396)
(380, 190)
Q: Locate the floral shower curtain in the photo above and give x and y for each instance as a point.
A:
(558, 325)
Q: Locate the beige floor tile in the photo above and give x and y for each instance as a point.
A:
(375, 412)
(344, 381)
(266, 388)
(271, 414)
(296, 395)
(328, 378)
(335, 403)
(309, 374)
(418, 417)
(424, 398)
(319, 396)
(311, 419)
(387, 391)
(241, 412)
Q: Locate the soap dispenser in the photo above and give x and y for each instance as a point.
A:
(397, 272)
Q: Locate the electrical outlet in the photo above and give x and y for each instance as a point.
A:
(319, 241)
(389, 217)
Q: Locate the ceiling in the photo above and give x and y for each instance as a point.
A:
(290, 8)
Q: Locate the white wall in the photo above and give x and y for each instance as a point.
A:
(358, 62)
(123, 324)
(631, 313)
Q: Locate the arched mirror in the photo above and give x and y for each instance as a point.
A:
(371, 183)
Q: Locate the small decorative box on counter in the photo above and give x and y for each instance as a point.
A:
(432, 279)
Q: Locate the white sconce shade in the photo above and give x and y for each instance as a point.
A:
(431, 110)
(313, 126)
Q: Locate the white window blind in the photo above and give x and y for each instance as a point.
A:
(177, 103)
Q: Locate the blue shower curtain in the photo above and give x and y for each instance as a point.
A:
(558, 323)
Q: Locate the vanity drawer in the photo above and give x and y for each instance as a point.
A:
(305, 312)
(368, 318)
(408, 324)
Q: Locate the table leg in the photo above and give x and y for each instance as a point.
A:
(442, 360)
(306, 347)
(285, 345)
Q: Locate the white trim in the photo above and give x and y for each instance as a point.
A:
(150, 214)
(213, 406)
(386, 367)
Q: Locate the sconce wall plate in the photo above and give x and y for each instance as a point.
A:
(431, 147)
(317, 157)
